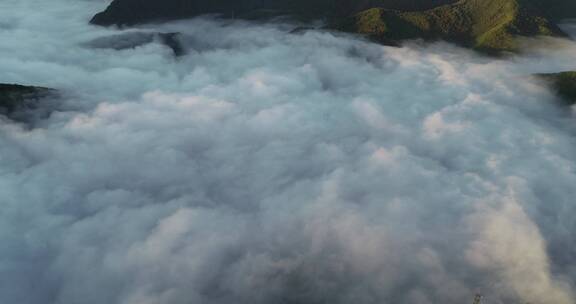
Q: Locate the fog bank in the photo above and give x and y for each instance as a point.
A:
(268, 167)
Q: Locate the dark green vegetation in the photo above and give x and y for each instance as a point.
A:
(564, 84)
(16, 101)
(491, 26)
(486, 25)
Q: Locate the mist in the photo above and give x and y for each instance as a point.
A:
(270, 167)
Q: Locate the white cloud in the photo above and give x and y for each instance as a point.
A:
(266, 167)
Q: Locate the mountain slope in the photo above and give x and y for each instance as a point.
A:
(18, 101)
(487, 25)
(130, 12)
(556, 9)
(564, 84)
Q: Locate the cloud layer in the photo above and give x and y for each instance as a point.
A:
(267, 167)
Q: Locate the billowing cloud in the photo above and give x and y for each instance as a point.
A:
(267, 167)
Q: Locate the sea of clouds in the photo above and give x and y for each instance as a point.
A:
(265, 167)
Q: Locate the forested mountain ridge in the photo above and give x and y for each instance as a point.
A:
(487, 25)
(130, 12)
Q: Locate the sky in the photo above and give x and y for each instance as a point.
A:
(270, 167)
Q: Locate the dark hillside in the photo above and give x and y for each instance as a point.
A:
(129, 12)
(487, 25)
